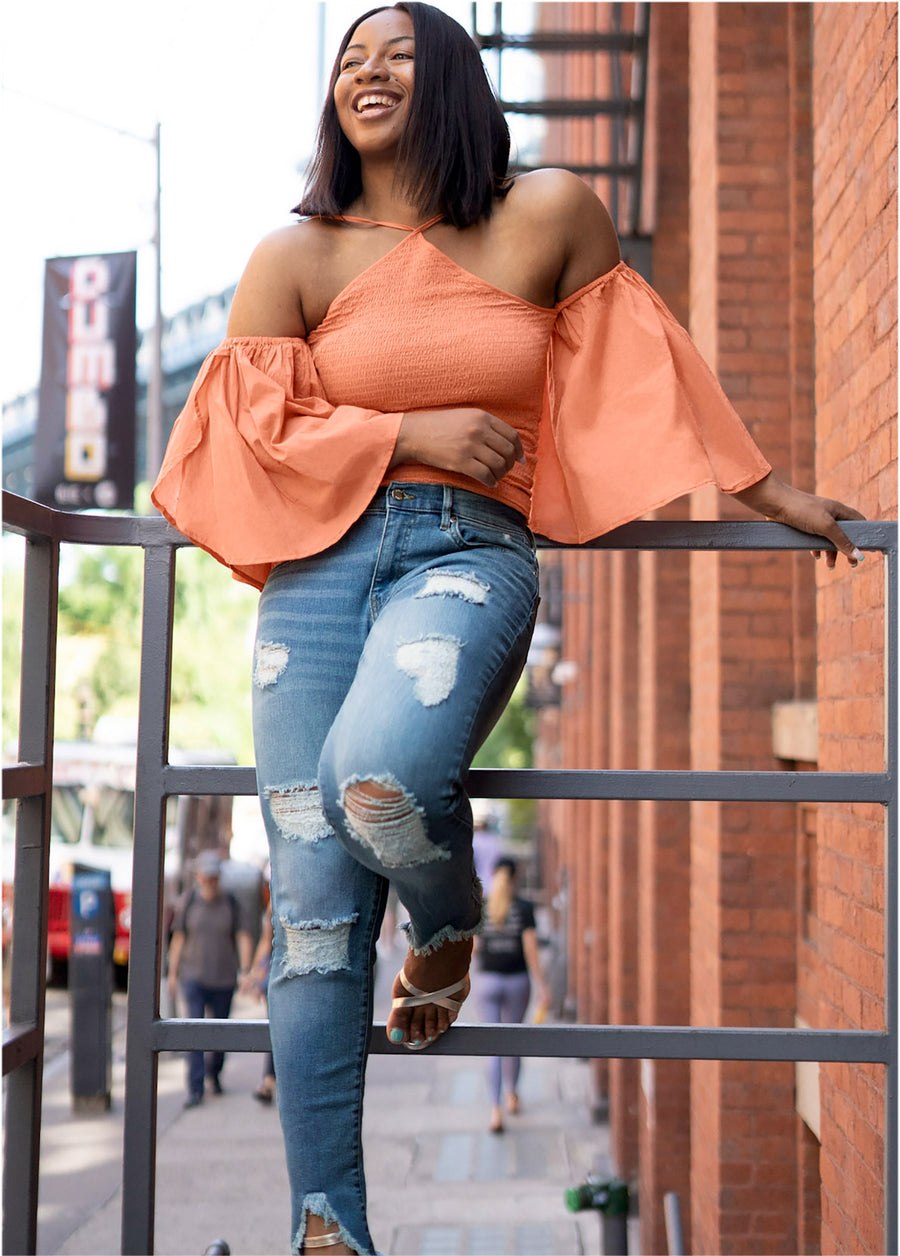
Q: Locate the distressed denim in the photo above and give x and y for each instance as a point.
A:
(386, 659)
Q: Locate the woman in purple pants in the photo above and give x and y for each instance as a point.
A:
(507, 956)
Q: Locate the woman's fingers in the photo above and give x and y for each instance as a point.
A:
(463, 439)
(825, 523)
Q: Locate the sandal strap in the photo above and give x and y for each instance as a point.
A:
(322, 1240)
(422, 997)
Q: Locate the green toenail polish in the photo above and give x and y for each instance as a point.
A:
(396, 1035)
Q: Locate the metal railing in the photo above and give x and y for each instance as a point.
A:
(30, 782)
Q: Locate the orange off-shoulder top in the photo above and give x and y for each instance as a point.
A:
(284, 442)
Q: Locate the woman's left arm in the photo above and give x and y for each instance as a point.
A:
(591, 250)
(783, 503)
(533, 960)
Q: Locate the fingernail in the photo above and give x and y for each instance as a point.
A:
(857, 554)
(396, 1035)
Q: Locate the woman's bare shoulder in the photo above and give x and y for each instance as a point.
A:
(269, 297)
(562, 200)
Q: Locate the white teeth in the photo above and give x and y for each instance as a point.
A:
(366, 101)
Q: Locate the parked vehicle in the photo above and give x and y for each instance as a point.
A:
(92, 826)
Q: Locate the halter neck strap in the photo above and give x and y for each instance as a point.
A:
(398, 226)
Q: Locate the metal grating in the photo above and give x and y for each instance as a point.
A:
(622, 50)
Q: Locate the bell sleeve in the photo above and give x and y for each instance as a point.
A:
(260, 467)
(633, 417)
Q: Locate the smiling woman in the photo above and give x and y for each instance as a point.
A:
(453, 145)
(435, 360)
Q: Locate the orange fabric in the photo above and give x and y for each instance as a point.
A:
(283, 442)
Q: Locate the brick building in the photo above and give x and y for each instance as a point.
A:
(770, 199)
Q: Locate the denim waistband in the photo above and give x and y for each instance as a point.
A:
(443, 500)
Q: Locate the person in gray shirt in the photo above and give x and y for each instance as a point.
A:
(211, 947)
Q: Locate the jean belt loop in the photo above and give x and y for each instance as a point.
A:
(447, 508)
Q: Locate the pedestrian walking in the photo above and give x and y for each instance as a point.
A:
(210, 947)
(508, 960)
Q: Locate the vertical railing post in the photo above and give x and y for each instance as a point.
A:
(142, 1060)
(22, 1136)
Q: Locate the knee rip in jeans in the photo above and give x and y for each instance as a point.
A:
(316, 946)
(297, 811)
(383, 815)
(431, 662)
(316, 1204)
(454, 584)
(270, 663)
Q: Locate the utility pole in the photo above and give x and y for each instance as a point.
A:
(155, 377)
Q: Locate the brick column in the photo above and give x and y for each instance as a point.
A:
(855, 220)
(623, 888)
(743, 859)
(664, 691)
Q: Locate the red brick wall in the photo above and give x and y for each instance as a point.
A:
(855, 269)
(771, 198)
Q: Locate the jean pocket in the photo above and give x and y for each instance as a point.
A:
(474, 533)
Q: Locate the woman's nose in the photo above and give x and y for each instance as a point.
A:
(373, 68)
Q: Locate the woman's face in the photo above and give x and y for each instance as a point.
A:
(374, 86)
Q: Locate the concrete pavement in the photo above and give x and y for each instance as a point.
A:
(439, 1183)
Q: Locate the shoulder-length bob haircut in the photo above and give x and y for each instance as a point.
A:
(454, 153)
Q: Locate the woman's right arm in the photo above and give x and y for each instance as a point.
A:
(267, 301)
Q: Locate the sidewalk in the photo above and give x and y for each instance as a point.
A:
(439, 1183)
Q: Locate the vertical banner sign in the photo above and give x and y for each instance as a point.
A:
(85, 441)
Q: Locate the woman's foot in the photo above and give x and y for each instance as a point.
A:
(265, 1093)
(320, 1238)
(496, 1125)
(512, 1103)
(444, 967)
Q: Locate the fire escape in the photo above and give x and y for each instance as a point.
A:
(589, 89)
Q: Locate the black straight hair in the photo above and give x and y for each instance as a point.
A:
(454, 154)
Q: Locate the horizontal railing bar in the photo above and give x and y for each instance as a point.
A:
(681, 786)
(730, 534)
(30, 518)
(621, 170)
(21, 1043)
(561, 41)
(25, 780)
(594, 783)
(590, 108)
(613, 1042)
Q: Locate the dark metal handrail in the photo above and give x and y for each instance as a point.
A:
(30, 781)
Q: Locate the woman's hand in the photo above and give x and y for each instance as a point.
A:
(462, 439)
(785, 504)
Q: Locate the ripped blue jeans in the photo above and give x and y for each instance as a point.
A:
(383, 661)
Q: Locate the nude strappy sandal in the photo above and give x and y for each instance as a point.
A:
(322, 1240)
(421, 997)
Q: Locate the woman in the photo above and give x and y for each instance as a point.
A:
(367, 447)
(507, 952)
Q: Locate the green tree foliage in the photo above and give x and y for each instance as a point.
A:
(99, 636)
(510, 745)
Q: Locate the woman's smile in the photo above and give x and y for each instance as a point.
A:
(375, 104)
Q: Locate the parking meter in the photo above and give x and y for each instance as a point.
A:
(92, 934)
